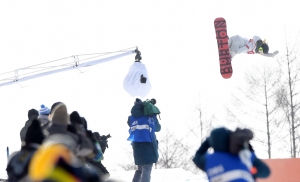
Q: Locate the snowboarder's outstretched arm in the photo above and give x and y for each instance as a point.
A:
(270, 54)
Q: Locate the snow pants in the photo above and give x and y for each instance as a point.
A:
(234, 43)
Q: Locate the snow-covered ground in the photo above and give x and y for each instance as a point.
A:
(159, 175)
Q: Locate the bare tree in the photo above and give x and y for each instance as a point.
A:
(172, 152)
(202, 123)
(205, 124)
(129, 163)
(257, 100)
(288, 94)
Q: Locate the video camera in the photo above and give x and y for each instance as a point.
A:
(105, 137)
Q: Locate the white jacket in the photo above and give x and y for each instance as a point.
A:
(238, 44)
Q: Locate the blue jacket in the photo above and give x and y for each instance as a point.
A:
(146, 153)
(223, 166)
(203, 160)
(141, 129)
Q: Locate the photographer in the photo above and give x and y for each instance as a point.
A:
(233, 158)
(142, 128)
(101, 169)
(100, 145)
(102, 140)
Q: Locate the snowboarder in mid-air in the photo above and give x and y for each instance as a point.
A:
(238, 44)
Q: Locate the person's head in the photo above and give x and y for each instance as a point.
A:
(263, 49)
(59, 114)
(77, 122)
(97, 135)
(219, 139)
(138, 101)
(34, 134)
(33, 114)
(44, 110)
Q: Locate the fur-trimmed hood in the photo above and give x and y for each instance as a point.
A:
(59, 115)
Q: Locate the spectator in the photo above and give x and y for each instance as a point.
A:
(17, 167)
(32, 114)
(44, 118)
(60, 131)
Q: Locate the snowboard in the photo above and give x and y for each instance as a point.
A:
(222, 40)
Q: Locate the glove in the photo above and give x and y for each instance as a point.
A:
(274, 53)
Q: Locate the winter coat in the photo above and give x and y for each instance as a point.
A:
(238, 44)
(17, 167)
(80, 145)
(44, 123)
(146, 153)
(219, 141)
(24, 129)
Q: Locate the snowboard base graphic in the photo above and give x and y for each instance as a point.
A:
(224, 55)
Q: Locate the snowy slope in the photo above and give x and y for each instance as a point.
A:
(160, 175)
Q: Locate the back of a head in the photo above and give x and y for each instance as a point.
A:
(59, 114)
(219, 139)
(138, 108)
(97, 135)
(32, 113)
(138, 101)
(53, 106)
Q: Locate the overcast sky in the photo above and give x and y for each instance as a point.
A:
(178, 46)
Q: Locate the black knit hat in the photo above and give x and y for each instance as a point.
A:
(33, 112)
(34, 133)
(97, 135)
(219, 139)
(75, 118)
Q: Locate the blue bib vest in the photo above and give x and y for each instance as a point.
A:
(225, 167)
(141, 129)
